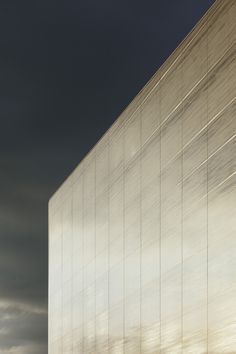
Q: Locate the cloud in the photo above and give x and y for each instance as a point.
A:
(23, 329)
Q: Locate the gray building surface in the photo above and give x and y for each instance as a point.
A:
(142, 235)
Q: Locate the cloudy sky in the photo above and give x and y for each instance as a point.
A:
(67, 70)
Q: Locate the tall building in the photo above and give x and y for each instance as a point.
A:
(142, 235)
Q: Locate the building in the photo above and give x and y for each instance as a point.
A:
(142, 235)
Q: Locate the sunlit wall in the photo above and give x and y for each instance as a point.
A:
(142, 236)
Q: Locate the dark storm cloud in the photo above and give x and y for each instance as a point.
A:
(21, 330)
(67, 69)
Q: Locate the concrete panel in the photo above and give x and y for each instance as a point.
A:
(142, 234)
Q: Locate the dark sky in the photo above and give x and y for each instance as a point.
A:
(67, 70)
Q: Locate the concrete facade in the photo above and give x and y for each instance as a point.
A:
(142, 235)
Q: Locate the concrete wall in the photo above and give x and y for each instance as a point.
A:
(142, 236)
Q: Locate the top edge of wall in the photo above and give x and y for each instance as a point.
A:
(136, 103)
